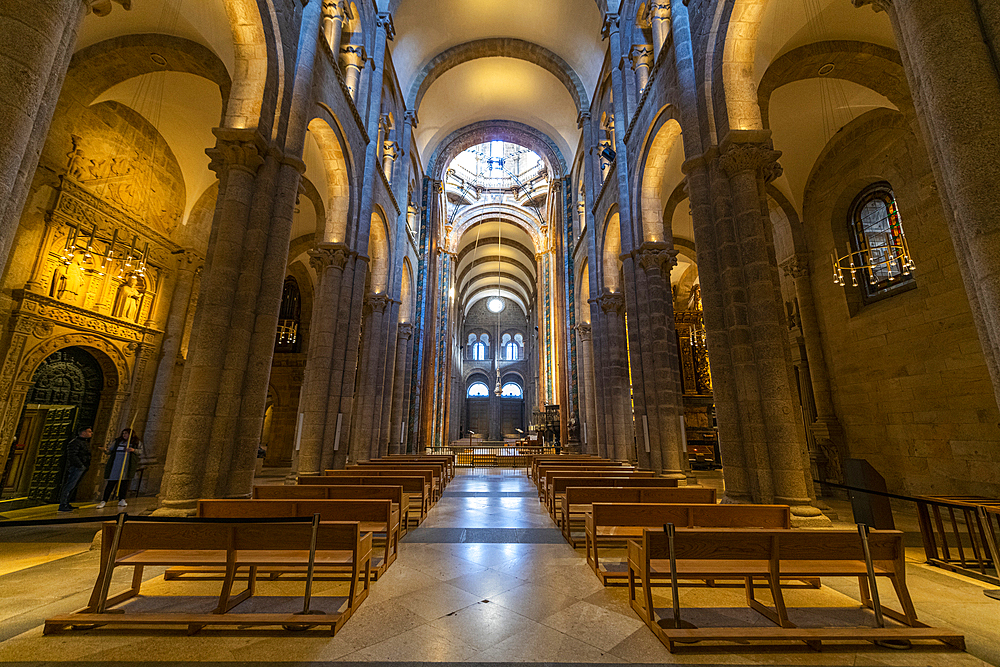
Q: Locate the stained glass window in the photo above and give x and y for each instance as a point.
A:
(478, 390)
(511, 390)
(878, 241)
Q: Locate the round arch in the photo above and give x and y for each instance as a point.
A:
(379, 252)
(496, 130)
(611, 248)
(333, 154)
(660, 143)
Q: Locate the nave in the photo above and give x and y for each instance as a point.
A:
(486, 577)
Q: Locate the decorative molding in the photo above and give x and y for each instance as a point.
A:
(743, 158)
(612, 302)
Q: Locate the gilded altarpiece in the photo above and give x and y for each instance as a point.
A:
(102, 297)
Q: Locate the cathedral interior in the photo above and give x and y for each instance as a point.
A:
(743, 245)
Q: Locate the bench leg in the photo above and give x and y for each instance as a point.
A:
(132, 591)
(778, 615)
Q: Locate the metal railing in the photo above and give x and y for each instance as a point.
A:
(959, 533)
(484, 454)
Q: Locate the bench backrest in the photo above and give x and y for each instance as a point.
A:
(690, 495)
(886, 546)
(568, 460)
(551, 475)
(583, 479)
(328, 510)
(409, 484)
(320, 492)
(440, 468)
(447, 459)
(709, 516)
(138, 535)
(427, 473)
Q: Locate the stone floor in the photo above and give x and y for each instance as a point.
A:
(487, 578)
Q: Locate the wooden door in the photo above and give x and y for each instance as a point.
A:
(57, 428)
(479, 416)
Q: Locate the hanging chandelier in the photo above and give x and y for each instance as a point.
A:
(128, 262)
(892, 257)
(496, 345)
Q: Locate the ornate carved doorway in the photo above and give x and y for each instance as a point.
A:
(65, 392)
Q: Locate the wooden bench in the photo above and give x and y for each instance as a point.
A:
(374, 516)
(551, 474)
(231, 546)
(566, 463)
(557, 481)
(556, 460)
(400, 501)
(447, 459)
(577, 499)
(415, 487)
(543, 473)
(609, 523)
(771, 555)
(429, 475)
(439, 476)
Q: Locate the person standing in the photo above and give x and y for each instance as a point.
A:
(77, 461)
(123, 453)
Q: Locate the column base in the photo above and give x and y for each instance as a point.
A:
(673, 474)
(187, 507)
(807, 516)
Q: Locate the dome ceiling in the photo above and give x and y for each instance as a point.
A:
(496, 88)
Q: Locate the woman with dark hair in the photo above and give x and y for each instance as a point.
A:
(123, 453)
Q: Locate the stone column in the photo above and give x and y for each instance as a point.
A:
(364, 434)
(157, 432)
(764, 356)
(619, 428)
(328, 260)
(700, 176)
(236, 158)
(949, 57)
(585, 331)
(661, 360)
(396, 421)
(387, 373)
(390, 151)
(659, 17)
(333, 23)
(826, 429)
(40, 38)
(353, 60)
(641, 57)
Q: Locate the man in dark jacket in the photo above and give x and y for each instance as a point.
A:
(77, 462)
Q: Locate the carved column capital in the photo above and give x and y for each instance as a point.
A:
(610, 26)
(659, 11)
(410, 118)
(583, 118)
(405, 331)
(585, 330)
(384, 20)
(742, 158)
(354, 55)
(377, 303)
(333, 9)
(191, 260)
(390, 149)
(796, 266)
(239, 149)
(656, 255)
(328, 255)
(612, 302)
(103, 7)
(641, 55)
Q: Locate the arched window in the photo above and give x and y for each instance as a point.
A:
(479, 351)
(287, 339)
(511, 351)
(478, 390)
(511, 390)
(878, 242)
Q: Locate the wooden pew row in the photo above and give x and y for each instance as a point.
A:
(554, 478)
(431, 475)
(552, 473)
(400, 501)
(438, 474)
(231, 546)
(567, 463)
(773, 555)
(447, 459)
(415, 487)
(543, 472)
(610, 523)
(577, 501)
(532, 468)
(374, 516)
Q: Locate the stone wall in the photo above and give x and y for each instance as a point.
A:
(910, 384)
